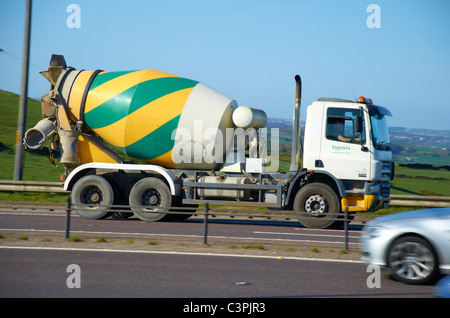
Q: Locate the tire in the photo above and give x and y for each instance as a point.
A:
(179, 211)
(92, 197)
(149, 196)
(317, 206)
(179, 215)
(413, 260)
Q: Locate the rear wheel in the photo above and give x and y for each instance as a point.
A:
(150, 200)
(92, 197)
(317, 206)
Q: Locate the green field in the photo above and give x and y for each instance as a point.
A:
(416, 179)
(36, 166)
(421, 179)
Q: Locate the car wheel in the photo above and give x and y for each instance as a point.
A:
(413, 260)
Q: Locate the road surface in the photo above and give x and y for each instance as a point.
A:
(166, 260)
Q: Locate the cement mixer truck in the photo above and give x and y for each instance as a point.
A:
(156, 142)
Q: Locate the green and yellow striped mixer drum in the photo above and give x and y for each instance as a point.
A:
(145, 112)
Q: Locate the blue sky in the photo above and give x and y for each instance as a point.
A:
(251, 50)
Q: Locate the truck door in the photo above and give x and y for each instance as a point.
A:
(342, 153)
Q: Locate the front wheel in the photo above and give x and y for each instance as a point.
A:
(317, 206)
(413, 260)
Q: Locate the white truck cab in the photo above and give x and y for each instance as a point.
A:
(350, 141)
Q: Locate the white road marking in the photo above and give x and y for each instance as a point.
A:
(183, 235)
(182, 253)
(304, 234)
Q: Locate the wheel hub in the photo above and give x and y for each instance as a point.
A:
(410, 259)
(95, 198)
(94, 195)
(315, 205)
(152, 198)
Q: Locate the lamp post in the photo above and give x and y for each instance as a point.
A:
(19, 160)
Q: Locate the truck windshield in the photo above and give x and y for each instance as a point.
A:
(380, 133)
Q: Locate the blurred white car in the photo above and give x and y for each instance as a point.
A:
(415, 245)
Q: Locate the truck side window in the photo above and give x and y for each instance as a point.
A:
(341, 125)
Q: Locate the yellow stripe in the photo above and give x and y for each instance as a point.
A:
(164, 160)
(76, 94)
(111, 88)
(145, 120)
(154, 115)
(89, 152)
(114, 134)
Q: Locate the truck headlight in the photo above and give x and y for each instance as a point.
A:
(373, 189)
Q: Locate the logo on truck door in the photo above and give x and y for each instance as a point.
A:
(340, 149)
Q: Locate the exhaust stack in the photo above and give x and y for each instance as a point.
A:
(296, 129)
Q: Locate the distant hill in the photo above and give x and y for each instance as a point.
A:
(421, 145)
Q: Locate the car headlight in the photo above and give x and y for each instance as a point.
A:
(372, 231)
